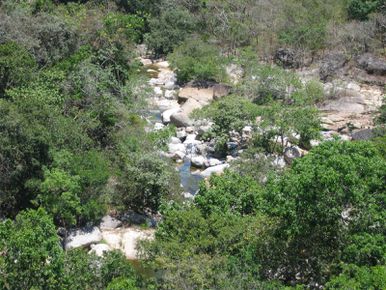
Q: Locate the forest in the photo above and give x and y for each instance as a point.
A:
(226, 144)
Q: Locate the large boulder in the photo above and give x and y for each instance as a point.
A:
(166, 115)
(365, 134)
(203, 95)
(83, 238)
(198, 161)
(190, 105)
(286, 58)
(219, 169)
(109, 223)
(331, 64)
(180, 120)
(372, 64)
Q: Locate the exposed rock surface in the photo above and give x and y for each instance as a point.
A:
(372, 64)
(331, 65)
(83, 238)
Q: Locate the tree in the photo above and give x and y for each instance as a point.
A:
(33, 256)
(59, 195)
(16, 66)
(327, 200)
(354, 277)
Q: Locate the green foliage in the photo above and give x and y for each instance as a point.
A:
(360, 9)
(132, 26)
(59, 195)
(169, 30)
(16, 66)
(146, 181)
(354, 277)
(220, 250)
(197, 61)
(326, 200)
(33, 257)
(122, 283)
(231, 193)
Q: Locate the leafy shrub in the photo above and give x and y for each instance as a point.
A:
(231, 193)
(360, 9)
(146, 181)
(197, 61)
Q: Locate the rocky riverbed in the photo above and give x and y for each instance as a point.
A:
(347, 112)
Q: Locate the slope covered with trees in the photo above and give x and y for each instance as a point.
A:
(75, 143)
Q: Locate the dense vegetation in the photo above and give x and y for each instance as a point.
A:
(73, 146)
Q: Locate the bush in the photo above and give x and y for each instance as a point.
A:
(197, 61)
(360, 9)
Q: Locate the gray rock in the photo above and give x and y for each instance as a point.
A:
(291, 153)
(331, 64)
(198, 161)
(221, 90)
(83, 238)
(180, 120)
(372, 64)
(286, 58)
(365, 134)
(109, 223)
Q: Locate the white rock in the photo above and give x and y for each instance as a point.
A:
(170, 94)
(181, 133)
(173, 148)
(230, 158)
(189, 130)
(213, 162)
(113, 239)
(353, 86)
(198, 161)
(99, 249)
(178, 156)
(158, 126)
(168, 113)
(83, 238)
(175, 140)
(130, 240)
(314, 143)
(145, 61)
(158, 91)
(170, 85)
(279, 162)
(109, 223)
(163, 64)
(214, 170)
(187, 195)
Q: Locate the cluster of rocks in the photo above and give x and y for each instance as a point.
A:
(354, 91)
(109, 235)
(176, 105)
